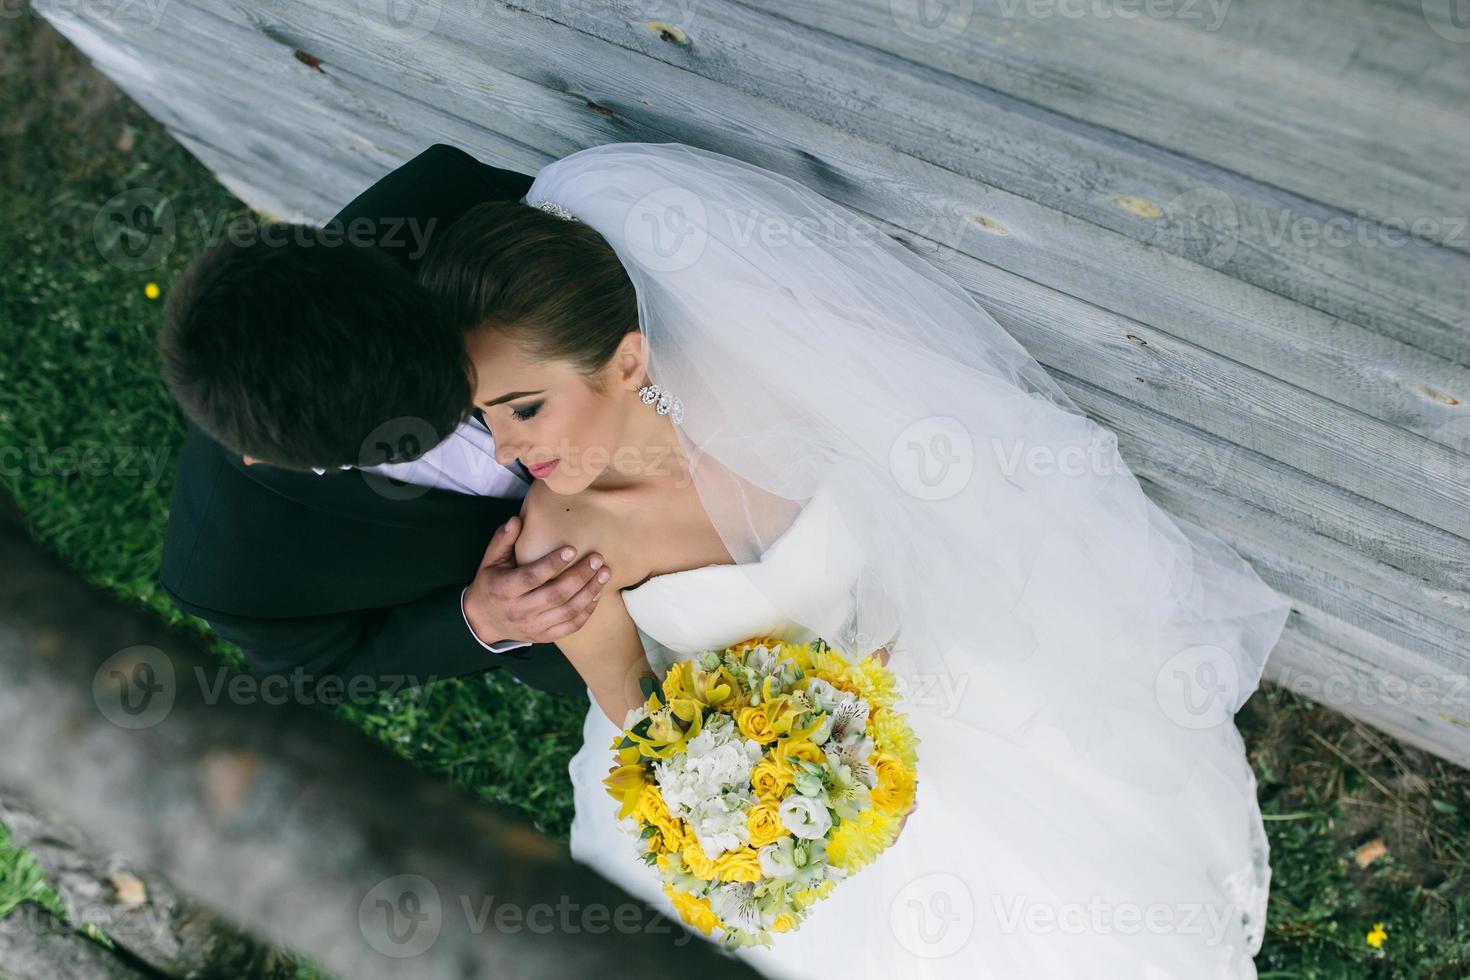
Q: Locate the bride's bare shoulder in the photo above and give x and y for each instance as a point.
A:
(551, 520)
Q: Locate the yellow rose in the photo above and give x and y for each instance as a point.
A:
(800, 748)
(896, 784)
(755, 724)
(741, 864)
(771, 777)
(695, 911)
(785, 922)
(699, 863)
(764, 823)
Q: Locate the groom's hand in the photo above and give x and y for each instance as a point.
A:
(538, 603)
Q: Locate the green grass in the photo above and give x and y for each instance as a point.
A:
(78, 372)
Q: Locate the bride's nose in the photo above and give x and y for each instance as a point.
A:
(506, 454)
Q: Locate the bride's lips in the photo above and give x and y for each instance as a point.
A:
(542, 470)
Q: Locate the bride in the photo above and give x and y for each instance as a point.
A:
(774, 420)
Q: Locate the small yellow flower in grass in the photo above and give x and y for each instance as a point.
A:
(152, 291)
(894, 793)
(1377, 935)
(695, 911)
(764, 822)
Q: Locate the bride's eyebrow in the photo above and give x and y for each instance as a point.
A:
(505, 398)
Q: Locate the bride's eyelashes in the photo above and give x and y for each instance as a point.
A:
(525, 413)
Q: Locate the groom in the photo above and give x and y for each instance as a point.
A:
(338, 511)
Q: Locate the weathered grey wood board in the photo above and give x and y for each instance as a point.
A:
(1235, 232)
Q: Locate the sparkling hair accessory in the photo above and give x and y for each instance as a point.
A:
(551, 207)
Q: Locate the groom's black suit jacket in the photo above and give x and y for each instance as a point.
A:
(325, 573)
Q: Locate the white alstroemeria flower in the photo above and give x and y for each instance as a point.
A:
(850, 793)
(849, 719)
(736, 905)
(760, 660)
(805, 816)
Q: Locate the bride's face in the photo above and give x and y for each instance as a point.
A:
(565, 426)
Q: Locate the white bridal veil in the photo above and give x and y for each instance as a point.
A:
(1024, 582)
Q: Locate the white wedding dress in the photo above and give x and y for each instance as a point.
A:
(1019, 861)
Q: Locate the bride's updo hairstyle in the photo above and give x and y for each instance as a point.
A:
(553, 284)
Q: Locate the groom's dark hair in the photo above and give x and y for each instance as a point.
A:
(292, 347)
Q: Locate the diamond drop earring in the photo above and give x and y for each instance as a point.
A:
(663, 403)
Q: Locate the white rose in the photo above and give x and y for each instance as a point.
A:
(805, 816)
(778, 859)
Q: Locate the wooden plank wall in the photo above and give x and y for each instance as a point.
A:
(1236, 232)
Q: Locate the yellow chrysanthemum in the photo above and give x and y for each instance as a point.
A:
(894, 793)
(867, 678)
(695, 911)
(807, 897)
(891, 734)
(859, 841)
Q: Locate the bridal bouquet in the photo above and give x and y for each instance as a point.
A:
(757, 777)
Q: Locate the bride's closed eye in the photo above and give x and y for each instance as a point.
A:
(526, 412)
